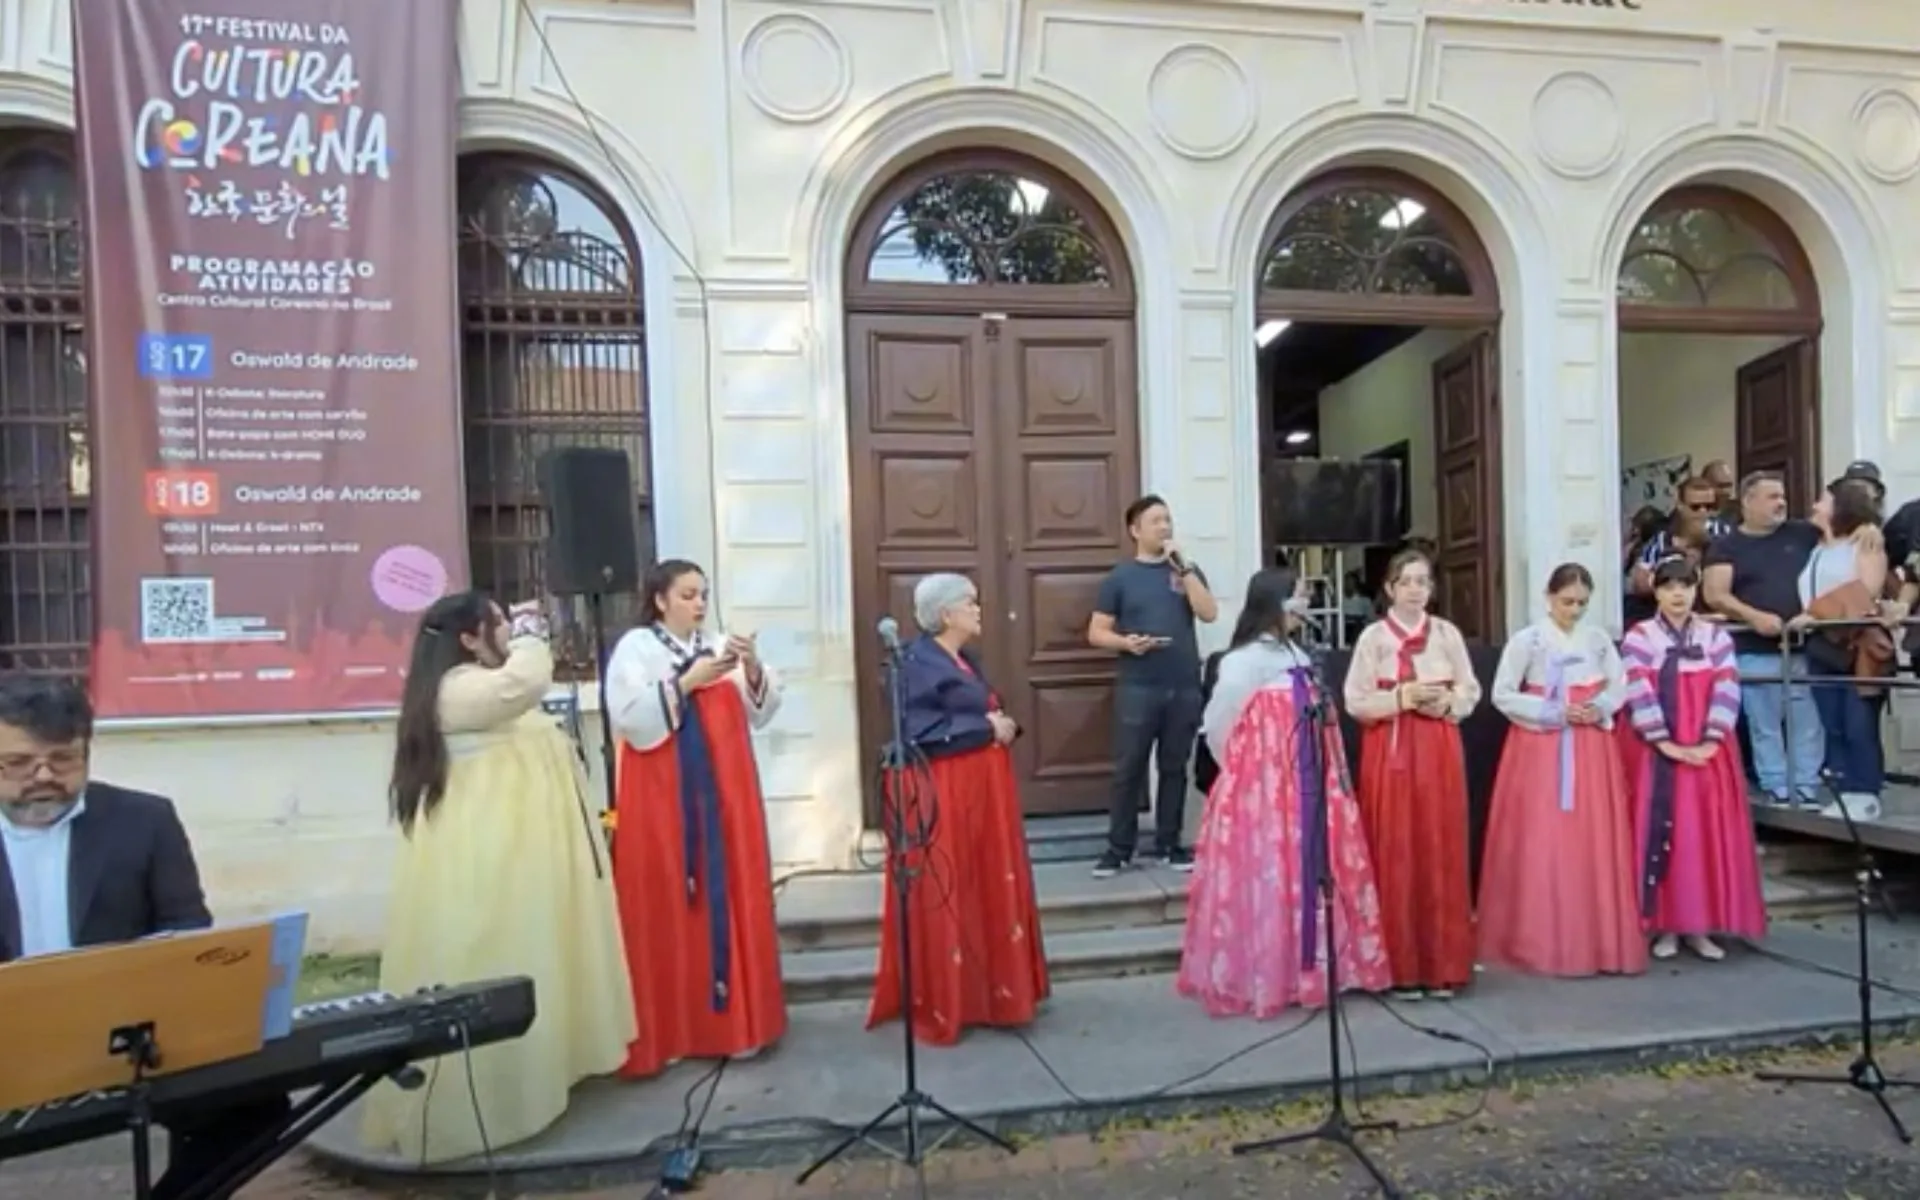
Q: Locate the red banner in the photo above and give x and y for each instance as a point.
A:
(272, 347)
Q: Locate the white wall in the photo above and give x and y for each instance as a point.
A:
(1390, 400)
(1677, 393)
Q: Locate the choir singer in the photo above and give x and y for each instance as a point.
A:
(977, 956)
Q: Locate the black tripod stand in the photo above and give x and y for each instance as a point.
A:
(1337, 1127)
(912, 810)
(1864, 1073)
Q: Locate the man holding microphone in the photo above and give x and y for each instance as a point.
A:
(1146, 612)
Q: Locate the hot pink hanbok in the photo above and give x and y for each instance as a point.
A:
(1256, 938)
(1699, 869)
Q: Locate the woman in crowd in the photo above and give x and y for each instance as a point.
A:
(1699, 869)
(1557, 890)
(1255, 917)
(956, 825)
(1409, 686)
(1844, 581)
(501, 872)
(691, 864)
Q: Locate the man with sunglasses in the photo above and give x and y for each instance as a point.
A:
(85, 863)
(1697, 498)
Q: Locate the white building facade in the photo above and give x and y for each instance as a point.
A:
(816, 440)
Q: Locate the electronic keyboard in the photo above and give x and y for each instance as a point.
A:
(332, 1043)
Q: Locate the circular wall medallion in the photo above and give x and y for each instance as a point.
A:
(794, 69)
(1887, 135)
(1577, 127)
(1200, 102)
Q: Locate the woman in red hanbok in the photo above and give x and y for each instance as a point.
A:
(1409, 686)
(1699, 869)
(1256, 936)
(956, 826)
(1557, 878)
(690, 861)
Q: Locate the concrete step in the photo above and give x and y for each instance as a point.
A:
(842, 912)
(1129, 925)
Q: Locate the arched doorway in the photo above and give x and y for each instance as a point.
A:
(1377, 333)
(1719, 347)
(994, 432)
(553, 355)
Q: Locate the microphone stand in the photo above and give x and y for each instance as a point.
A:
(1337, 1127)
(901, 781)
(1864, 1073)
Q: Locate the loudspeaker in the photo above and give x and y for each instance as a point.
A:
(593, 545)
(1317, 502)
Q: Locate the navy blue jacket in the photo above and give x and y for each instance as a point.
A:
(945, 707)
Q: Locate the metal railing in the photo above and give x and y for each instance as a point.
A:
(1792, 645)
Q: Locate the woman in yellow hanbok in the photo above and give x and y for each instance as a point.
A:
(502, 872)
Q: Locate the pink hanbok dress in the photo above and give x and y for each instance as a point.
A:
(1699, 868)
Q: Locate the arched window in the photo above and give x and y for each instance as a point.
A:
(553, 355)
(991, 220)
(1363, 244)
(1711, 259)
(46, 586)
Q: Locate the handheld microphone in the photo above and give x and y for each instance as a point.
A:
(1177, 561)
(889, 631)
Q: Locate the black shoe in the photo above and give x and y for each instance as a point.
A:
(1111, 863)
(1176, 859)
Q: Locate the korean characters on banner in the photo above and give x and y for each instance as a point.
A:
(272, 348)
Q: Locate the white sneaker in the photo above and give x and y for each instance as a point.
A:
(1706, 948)
(1666, 946)
(1861, 806)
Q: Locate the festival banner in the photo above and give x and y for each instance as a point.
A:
(271, 348)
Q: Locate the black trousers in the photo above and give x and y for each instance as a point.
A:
(202, 1143)
(1152, 726)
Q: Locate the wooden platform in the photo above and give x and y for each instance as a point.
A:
(1895, 831)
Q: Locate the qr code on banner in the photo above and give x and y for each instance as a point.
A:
(176, 610)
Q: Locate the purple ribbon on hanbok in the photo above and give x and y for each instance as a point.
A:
(1657, 854)
(1310, 783)
(703, 853)
(1556, 689)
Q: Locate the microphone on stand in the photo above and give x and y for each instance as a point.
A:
(889, 631)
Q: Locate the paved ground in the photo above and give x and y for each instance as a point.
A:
(1704, 1130)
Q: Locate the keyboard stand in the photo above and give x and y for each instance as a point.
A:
(302, 1121)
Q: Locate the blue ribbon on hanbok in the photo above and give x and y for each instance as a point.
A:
(705, 857)
(1556, 690)
(1310, 782)
(1657, 854)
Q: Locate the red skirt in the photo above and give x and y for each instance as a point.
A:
(975, 924)
(1413, 801)
(669, 938)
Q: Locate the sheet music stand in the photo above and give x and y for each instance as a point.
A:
(119, 1016)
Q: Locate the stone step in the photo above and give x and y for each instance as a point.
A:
(1094, 929)
(842, 912)
(818, 975)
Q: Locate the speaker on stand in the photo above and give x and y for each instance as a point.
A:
(593, 551)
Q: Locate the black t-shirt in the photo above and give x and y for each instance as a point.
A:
(1149, 598)
(1766, 574)
(1902, 532)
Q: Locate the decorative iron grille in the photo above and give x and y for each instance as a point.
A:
(554, 356)
(46, 580)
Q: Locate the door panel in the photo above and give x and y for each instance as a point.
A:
(921, 474)
(1004, 450)
(1065, 404)
(1777, 419)
(1466, 427)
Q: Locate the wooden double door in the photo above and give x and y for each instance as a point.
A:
(1470, 571)
(1777, 420)
(1004, 449)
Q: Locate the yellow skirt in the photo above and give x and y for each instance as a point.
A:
(505, 877)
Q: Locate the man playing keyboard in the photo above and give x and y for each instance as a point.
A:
(85, 863)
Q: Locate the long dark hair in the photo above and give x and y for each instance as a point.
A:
(1265, 608)
(660, 580)
(420, 750)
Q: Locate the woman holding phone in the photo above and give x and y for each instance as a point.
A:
(690, 855)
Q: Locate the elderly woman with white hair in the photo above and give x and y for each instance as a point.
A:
(977, 955)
